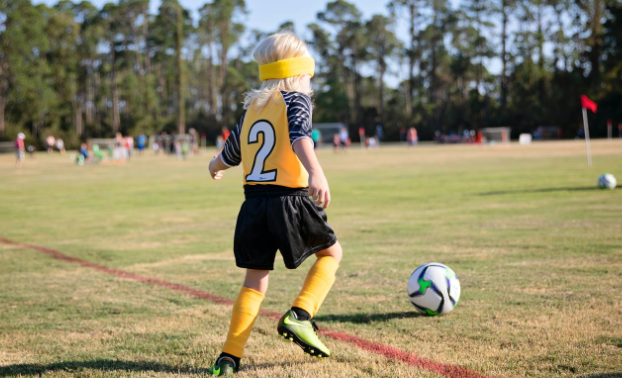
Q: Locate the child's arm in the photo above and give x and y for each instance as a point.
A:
(230, 156)
(318, 185)
(217, 167)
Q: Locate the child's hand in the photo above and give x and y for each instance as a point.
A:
(216, 175)
(318, 189)
(318, 185)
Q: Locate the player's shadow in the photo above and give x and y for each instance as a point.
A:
(102, 365)
(365, 318)
(602, 375)
(541, 190)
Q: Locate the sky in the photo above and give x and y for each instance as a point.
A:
(269, 14)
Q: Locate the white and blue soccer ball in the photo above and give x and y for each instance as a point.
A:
(607, 181)
(434, 289)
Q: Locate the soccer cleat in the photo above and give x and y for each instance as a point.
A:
(302, 332)
(222, 368)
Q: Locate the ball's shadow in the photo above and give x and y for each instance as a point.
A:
(365, 318)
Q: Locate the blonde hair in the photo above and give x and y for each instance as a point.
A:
(279, 46)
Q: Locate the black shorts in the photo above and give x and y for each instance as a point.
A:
(275, 217)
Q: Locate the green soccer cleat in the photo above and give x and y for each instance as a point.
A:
(222, 368)
(302, 332)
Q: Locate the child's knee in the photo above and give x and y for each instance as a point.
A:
(257, 280)
(333, 251)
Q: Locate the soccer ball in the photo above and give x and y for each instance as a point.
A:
(607, 181)
(434, 289)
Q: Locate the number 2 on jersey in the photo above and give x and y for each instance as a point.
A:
(258, 174)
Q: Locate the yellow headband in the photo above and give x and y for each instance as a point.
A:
(282, 69)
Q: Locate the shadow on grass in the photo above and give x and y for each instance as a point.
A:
(602, 375)
(103, 365)
(364, 318)
(541, 190)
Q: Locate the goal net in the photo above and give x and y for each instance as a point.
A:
(103, 143)
(106, 149)
(165, 141)
(496, 134)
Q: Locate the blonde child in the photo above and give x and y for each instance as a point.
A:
(284, 186)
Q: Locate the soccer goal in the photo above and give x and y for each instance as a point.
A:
(103, 143)
(167, 142)
(106, 149)
(496, 134)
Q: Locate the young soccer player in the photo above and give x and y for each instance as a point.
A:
(284, 186)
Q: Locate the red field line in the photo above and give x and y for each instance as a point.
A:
(448, 370)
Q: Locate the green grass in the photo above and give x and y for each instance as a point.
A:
(537, 249)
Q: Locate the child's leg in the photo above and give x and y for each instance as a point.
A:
(318, 283)
(295, 324)
(245, 311)
(257, 280)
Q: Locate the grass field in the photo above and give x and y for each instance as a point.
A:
(537, 249)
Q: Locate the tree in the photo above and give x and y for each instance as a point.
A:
(333, 102)
(594, 10)
(433, 64)
(90, 34)
(109, 18)
(348, 49)
(382, 45)
(504, 8)
(476, 12)
(463, 68)
(173, 14)
(22, 40)
(207, 31)
(413, 9)
(227, 32)
(62, 32)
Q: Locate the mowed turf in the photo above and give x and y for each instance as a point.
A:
(537, 249)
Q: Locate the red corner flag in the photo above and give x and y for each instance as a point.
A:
(588, 104)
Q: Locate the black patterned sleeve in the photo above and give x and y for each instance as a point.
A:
(299, 114)
(231, 155)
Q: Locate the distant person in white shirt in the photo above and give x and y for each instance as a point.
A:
(343, 137)
(60, 145)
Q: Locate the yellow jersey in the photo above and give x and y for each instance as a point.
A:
(262, 142)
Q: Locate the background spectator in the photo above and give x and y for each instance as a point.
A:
(379, 133)
(316, 136)
(20, 151)
(225, 133)
(412, 137)
(343, 137)
(60, 145)
(51, 142)
(141, 142)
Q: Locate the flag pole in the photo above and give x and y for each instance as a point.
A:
(587, 138)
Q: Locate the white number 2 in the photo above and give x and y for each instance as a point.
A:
(258, 173)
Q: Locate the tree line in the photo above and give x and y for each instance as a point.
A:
(78, 71)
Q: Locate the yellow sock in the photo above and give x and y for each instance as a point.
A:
(245, 311)
(320, 279)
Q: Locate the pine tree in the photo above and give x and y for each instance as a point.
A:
(22, 39)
